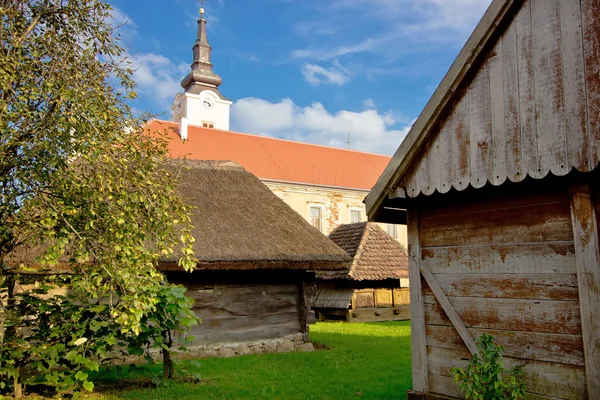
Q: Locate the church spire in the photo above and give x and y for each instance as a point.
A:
(201, 75)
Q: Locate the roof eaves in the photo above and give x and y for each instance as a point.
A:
(445, 92)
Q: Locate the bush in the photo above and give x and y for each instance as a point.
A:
(486, 378)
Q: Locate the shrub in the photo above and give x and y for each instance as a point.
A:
(486, 378)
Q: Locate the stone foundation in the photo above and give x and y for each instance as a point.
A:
(295, 342)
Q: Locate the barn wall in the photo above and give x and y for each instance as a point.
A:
(532, 107)
(506, 262)
(240, 306)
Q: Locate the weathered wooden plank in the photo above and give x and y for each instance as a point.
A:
(448, 309)
(525, 315)
(247, 322)
(422, 173)
(208, 295)
(245, 335)
(587, 255)
(462, 161)
(548, 379)
(399, 313)
(578, 145)
(536, 223)
(383, 298)
(448, 147)
(529, 149)
(549, 103)
(254, 308)
(364, 298)
(401, 297)
(303, 308)
(411, 182)
(565, 349)
(512, 124)
(480, 128)
(444, 385)
(434, 163)
(539, 258)
(513, 286)
(590, 16)
(497, 116)
(537, 192)
(417, 308)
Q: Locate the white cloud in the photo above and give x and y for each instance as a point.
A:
(369, 103)
(369, 129)
(157, 76)
(338, 51)
(315, 74)
(407, 26)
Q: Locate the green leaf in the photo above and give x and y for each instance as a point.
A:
(89, 386)
(81, 376)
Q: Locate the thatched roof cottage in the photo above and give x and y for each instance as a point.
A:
(257, 257)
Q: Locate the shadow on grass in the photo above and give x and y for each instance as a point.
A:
(364, 360)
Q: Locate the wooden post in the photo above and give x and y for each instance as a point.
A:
(420, 378)
(587, 255)
(302, 308)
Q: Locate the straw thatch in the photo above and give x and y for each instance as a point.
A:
(240, 224)
(376, 255)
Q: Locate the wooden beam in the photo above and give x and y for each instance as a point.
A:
(418, 339)
(448, 309)
(397, 193)
(587, 256)
(302, 308)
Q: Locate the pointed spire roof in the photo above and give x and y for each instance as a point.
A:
(201, 76)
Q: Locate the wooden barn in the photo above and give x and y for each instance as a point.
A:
(374, 287)
(498, 181)
(255, 277)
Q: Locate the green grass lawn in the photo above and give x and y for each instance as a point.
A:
(363, 360)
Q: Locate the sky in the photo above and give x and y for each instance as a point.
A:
(312, 70)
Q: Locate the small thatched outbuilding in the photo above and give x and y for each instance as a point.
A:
(498, 180)
(374, 287)
(257, 257)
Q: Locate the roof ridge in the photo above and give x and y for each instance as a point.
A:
(361, 246)
(272, 138)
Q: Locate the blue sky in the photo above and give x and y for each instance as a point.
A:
(304, 70)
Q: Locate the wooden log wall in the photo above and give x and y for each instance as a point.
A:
(238, 312)
(506, 263)
(532, 107)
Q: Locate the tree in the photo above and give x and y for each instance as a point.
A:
(80, 181)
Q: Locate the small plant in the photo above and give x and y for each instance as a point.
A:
(486, 378)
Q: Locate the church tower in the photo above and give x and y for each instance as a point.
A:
(201, 103)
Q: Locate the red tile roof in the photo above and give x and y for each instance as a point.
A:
(278, 159)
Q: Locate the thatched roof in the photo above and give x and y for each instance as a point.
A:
(240, 224)
(376, 255)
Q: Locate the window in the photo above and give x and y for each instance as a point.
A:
(207, 125)
(354, 215)
(392, 230)
(316, 214)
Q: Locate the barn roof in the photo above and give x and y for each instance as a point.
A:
(240, 224)
(277, 159)
(376, 255)
(521, 99)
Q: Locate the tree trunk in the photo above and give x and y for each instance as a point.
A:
(167, 364)
(167, 361)
(17, 388)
